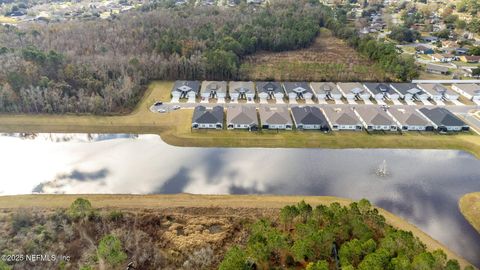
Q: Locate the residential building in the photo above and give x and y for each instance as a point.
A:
(208, 118)
(275, 118)
(424, 50)
(270, 90)
(375, 118)
(354, 91)
(468, 90)
(241, 90)
(444, 58)
(298, 90)
(326, 90)
(410, 119)
(443, 120)
(438, 92)
(309, 118)
(342, 118)
(242, 117)
(185, 89)
(470, 58)
(214, 89)
(410, 91)
(382, 91)
(437, 69)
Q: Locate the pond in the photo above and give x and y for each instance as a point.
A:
(422, 186)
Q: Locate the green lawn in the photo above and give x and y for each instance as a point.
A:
(174, 128)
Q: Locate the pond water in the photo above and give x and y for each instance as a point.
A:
(422, 186)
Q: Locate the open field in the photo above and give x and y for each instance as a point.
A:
(470, 207)
(327, 59)
(223, 205)
(174, 128)
(4, 19)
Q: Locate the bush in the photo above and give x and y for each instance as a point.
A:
(235, 259)
(21, 220)
(4, 266)
(110, 249)
(80, 208)
(115, 215)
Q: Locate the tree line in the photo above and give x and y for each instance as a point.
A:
(333, 237)
(103, 66)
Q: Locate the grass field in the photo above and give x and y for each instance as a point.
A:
(328, 58)
(229, 204)
(470, 207)
(4, 19)
(174, 128)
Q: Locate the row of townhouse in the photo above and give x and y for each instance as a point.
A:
(331, 117)
(322, 91)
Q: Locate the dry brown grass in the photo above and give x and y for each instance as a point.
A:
(470, 207)
(204, 207)
(327, 59)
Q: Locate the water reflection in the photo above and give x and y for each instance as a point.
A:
(423, 186)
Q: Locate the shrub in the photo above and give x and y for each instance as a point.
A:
(110, 249)
(235, 259)
(115, 215)
(21, 220)
(80, 208)
(4, 266)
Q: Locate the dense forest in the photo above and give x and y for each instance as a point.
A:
(333, 237)
(103, 66)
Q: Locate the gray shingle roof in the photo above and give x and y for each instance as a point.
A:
(341, 116)
(276, 87)
(409, 116)
(275, 116)
(470, 88)
(308, 115)
(375, 116)
(202, 115)
(186, 86)
(407, 88)
(442, 117)
(325, 88)
(378, 88)
(218, 86)
(295, 86)
(242, 115)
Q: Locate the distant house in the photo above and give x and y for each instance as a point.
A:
(270, 90)
(342, 118)
(309, 118)
(213, 89)
(470, 58)
(242, 117)
(275, 118)
(444, 58)
(443, 120)
(375, 119)
(326, 90)
(468, 90)
(354, 91)
(429, 39)
(438, 92)
(437, 69)
(382, 91)
(185, 89)
(461, 51)
(298, 90)
(424, 50)
(410, 91)
(241, 90)
(409, 119)
(208, 118)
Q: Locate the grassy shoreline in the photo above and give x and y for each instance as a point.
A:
(174, 129)
(469, 205)
(226, 202)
